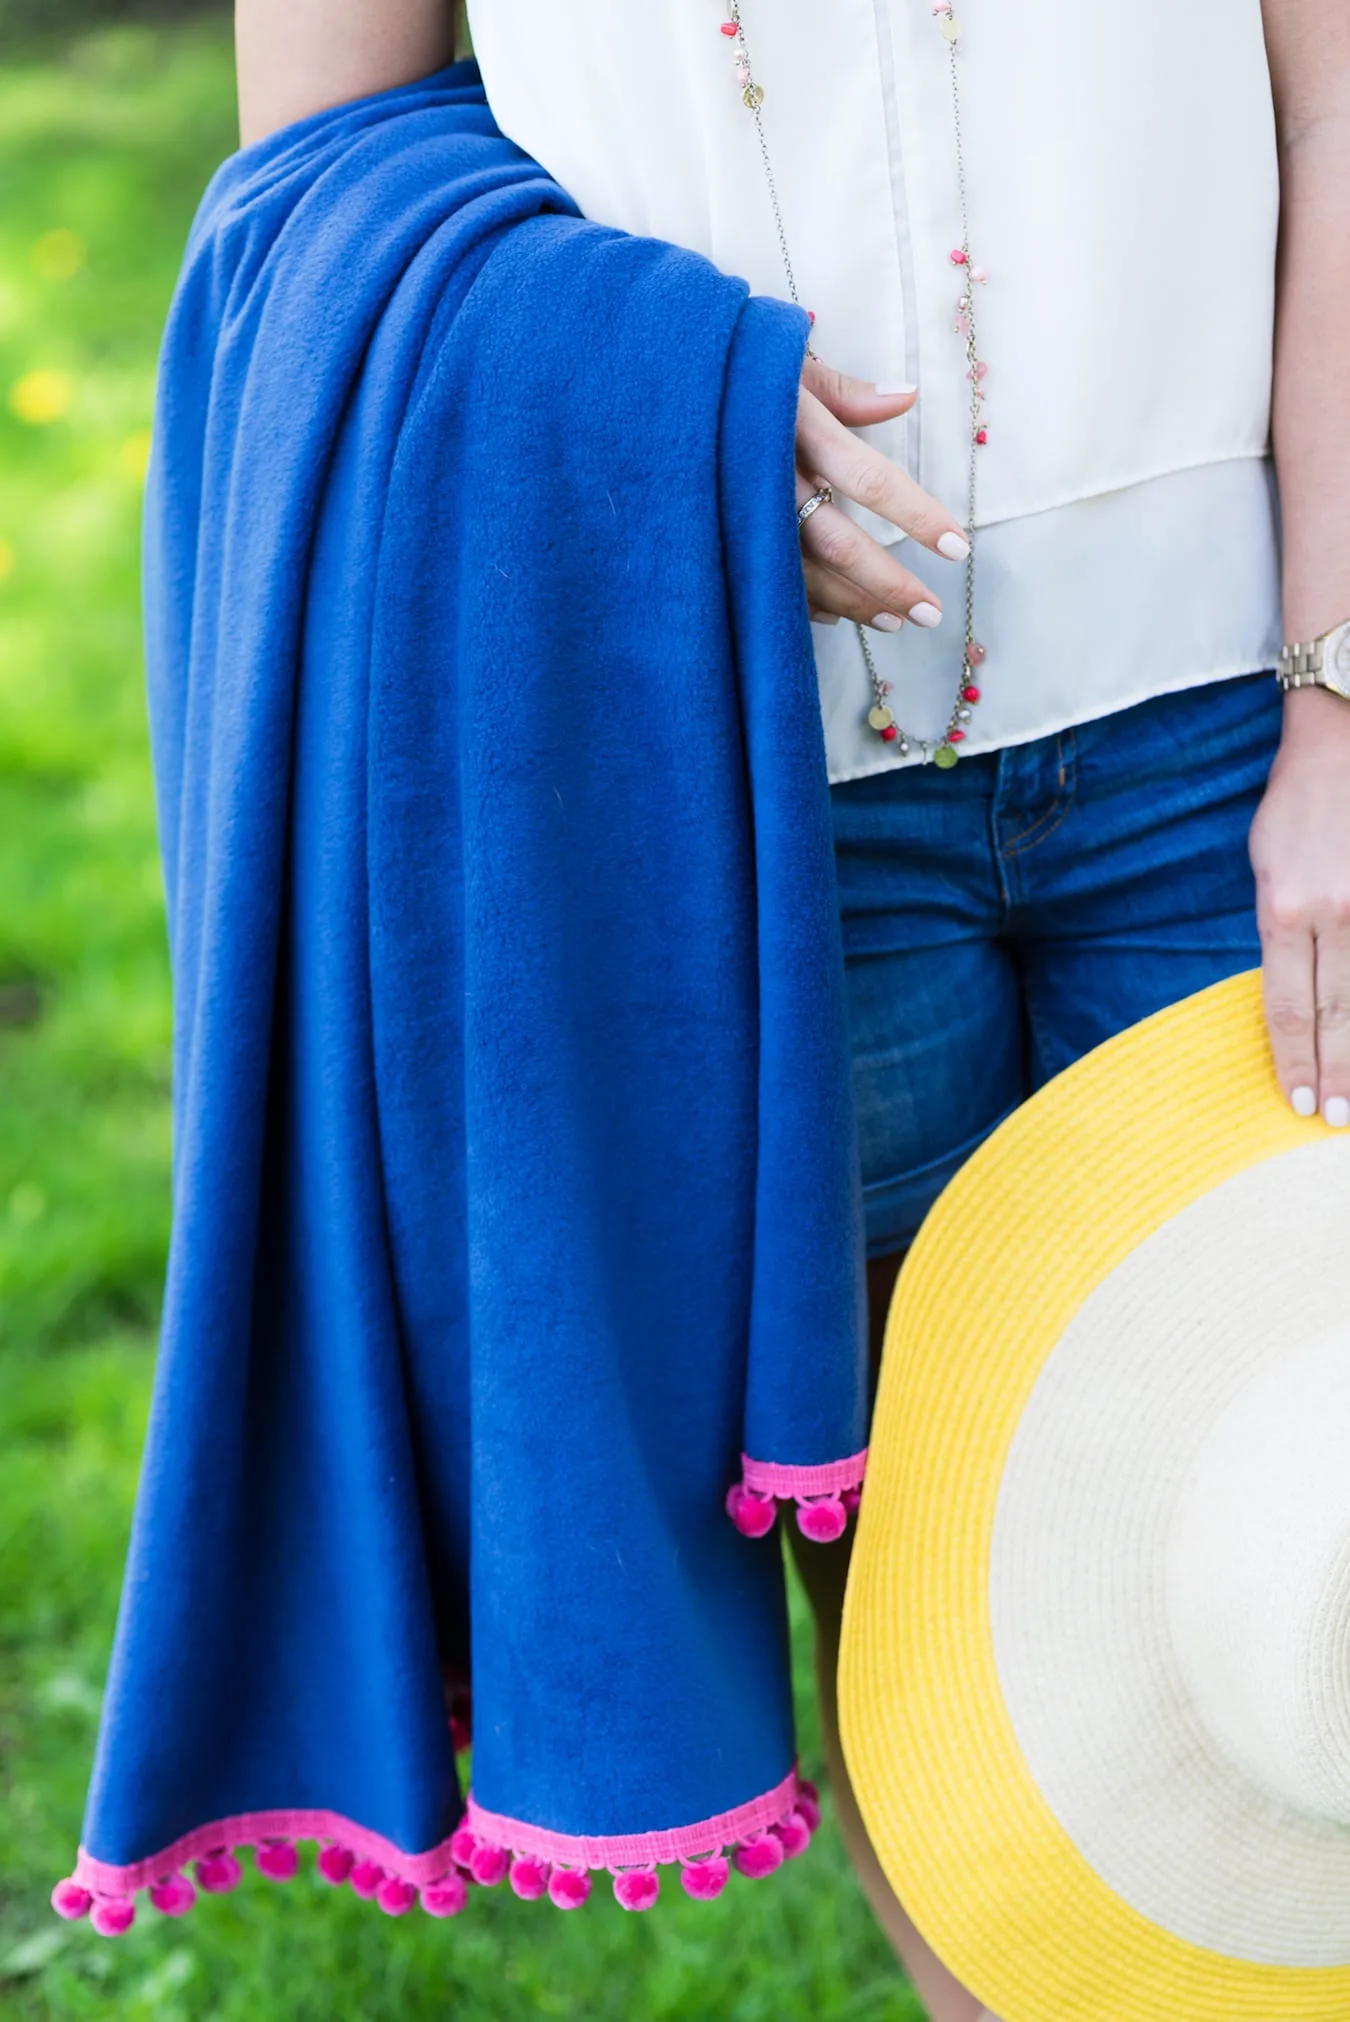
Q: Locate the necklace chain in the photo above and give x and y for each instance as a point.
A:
(943, 752)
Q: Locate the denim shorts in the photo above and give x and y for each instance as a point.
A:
(1002, 918)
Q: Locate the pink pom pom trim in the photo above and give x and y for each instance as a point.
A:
(277, 1859)
(808, 1804)
(489, 1865)
(529, 1877)
(486, 1847)
(447, 1897)
(111, 1918)
(704, 1879)
(218, 1873)
(637, 1888)
(335, 1864)
(826, 1496)
(753, 1515)
(395, 1897)
(173, 1897)
(759, 1856)
(568, 1888)
(822, 1519)
(69, 1900)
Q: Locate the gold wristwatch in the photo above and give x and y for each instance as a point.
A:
(1321, 663)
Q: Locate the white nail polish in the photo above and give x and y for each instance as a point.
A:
(954, 546)
(927, 615)
(886, 621)
(1304, 1101)
(1337, 1112)
(893, 392)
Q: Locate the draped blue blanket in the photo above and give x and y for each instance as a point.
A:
(515, 1191)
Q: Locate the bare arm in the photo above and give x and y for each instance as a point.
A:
(1309, 44)
(295, 57)
(1301, 841)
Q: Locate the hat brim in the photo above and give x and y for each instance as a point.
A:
(1063, 1193)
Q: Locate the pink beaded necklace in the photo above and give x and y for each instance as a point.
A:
(880, 716)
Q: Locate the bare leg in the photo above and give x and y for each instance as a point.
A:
(824, 1569)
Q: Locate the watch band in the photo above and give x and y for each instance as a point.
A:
(1300, 665)
(1318, 663)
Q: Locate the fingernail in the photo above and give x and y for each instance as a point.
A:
(893, 392)
(824, 617)
(1337, 1112)
(886, 621)
(925, 614)
(1304, 1101)
(954, 546)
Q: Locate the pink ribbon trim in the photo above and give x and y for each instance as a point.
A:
(251, 1828)
(786, 1484)
(637, 1849)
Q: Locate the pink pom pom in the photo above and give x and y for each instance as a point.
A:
(853, 1496)
(463, 1847)
(69, 1900)
(637, 1888)
(395, 1896)
(277, 1859)
(759, 1856)
(113, 1917)
(705, 1879)
(366, 1879)
(489, 1865)
(568, 1888)
(335, 1863)
(218, 1873)
(529, 1877)
(795, 1834)
(174, 1896)
(808, 1803)
(447, 1897)
(753, 1515)
(822, 1519)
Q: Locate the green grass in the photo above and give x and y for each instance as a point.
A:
(102, 157)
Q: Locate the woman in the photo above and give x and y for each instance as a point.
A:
(1086, 211)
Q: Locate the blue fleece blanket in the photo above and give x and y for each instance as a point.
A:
(515, 1193)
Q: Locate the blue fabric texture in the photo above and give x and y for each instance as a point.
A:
(515, 1173)
(1002, 919)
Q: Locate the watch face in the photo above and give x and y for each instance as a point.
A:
(1338, 656)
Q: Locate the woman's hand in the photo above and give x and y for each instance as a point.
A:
(1301, 855)
(848, 574)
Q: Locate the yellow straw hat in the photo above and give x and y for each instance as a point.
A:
(1095, 1681)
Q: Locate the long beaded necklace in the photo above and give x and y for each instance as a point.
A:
(880, 716)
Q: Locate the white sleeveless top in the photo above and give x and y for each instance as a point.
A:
(1123, 190)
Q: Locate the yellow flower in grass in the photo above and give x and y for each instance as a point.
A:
(58, 255)
(134, 455)
(6, 558)
(41, 396)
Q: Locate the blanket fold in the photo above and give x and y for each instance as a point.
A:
(515, 1193)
